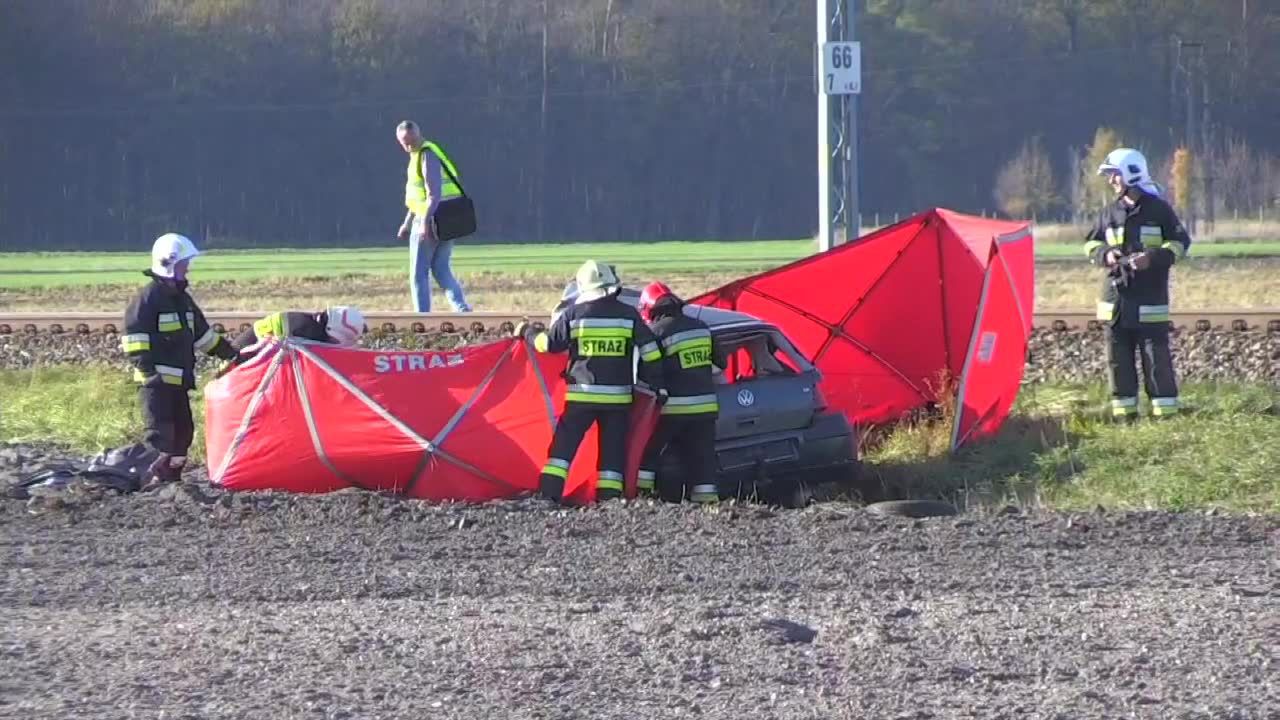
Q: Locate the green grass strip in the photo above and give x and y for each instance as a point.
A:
(1058, 449)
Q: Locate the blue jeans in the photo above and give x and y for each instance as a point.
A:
(428, 256)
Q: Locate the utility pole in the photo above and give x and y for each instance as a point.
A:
(542, 135)
(839, 81)
(1193, 137)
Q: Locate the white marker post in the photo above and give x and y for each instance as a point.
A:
(839, 74)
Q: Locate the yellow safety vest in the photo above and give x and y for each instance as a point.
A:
(272, 324)
(415, 186)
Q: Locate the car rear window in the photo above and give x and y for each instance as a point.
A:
(755, 356)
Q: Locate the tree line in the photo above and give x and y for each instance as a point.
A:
(271, 122)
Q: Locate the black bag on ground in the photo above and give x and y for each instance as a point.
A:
(123, 469)
(455, 217)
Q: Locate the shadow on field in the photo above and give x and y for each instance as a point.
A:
(913, 461)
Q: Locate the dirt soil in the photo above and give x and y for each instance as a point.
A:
(191, 603)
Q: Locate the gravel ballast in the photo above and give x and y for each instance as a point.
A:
(191, 603)
(1212, 355)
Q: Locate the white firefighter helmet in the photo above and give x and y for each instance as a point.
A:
(595, 280)
(1131, 164)
(345, 324)
(168, 250)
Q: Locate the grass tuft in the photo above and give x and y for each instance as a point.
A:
(85, 408)
(1060, 449)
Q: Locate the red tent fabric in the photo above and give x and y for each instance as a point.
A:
(469, 424)
(894, 317)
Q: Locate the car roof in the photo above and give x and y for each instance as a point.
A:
(718, 319)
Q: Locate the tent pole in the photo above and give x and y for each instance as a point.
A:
(942, 299)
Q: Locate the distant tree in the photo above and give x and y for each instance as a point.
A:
(1092, 193)
(269, 121)
(1025, 186)
(1180, 175)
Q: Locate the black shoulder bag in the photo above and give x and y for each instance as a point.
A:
(455, 217)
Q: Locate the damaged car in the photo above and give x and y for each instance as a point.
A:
(776, 439)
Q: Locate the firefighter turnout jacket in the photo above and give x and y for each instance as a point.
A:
(164, 328)
(1138, 299)
(686, 364)
(287, 324)
(602, 337)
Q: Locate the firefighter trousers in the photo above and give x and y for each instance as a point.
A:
(1158, 377)
(167, 427)
(611, 434)
(694, 438)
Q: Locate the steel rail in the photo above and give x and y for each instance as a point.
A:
(1266, 320)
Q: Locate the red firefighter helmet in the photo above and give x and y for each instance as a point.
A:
(652, 293)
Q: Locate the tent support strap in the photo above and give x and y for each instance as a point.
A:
(421, 471)
(313, 429)
(430, 447)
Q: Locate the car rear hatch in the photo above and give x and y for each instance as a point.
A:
(765, 405)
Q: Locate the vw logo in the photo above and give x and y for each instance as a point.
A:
(746, 398)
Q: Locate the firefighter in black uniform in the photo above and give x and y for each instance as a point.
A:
(1137, 239)
(341, 325)
(602, 335)
(163, 330)
(688, 419)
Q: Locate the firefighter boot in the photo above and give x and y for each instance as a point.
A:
(646, 483)
(163, 470)
(705, 492)
(551, 487)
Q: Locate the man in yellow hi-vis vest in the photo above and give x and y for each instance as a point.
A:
(426, 184)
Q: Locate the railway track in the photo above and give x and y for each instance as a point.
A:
(1263, 320)
(58, 322)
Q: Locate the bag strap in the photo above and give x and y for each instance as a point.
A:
(445, 167)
